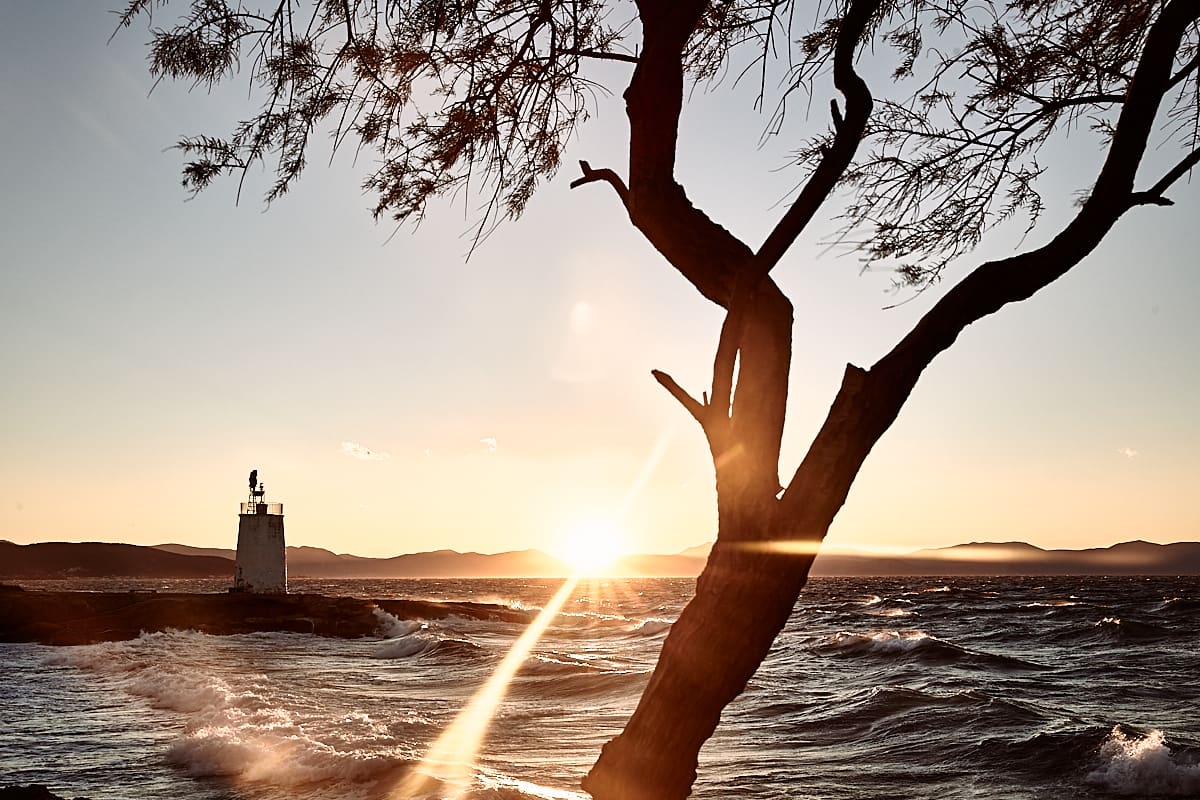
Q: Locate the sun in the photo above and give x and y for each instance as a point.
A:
(592, 546)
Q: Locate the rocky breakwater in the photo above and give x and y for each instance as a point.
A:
(34, 791)
(65, 618)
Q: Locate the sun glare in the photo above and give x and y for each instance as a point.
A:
(592, 547)
(448, 767)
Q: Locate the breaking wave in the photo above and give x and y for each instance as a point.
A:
(241, 728)
(1145, 765)
(652, 627)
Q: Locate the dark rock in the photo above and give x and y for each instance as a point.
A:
(33, 791)
(65, 618)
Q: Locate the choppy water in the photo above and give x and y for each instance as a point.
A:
(1003, 689)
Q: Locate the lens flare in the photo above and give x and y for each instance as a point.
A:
(449, 764)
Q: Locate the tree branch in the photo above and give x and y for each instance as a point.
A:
(1184, 71)
(849, 129)
(997, 283)
(1154, 195)
(609, 176)
(693, 406)
(600, 55)
(705, 253)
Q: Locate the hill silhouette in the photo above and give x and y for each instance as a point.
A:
(97, 559)
(105, 560)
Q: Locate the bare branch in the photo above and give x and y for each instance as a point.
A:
(600, 55)
(693, 406)
(607, 175)
(1154, 195)
(838, 155)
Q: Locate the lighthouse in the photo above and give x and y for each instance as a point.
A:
(261, 559)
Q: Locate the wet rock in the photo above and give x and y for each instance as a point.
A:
(66, 618)
(33, 791)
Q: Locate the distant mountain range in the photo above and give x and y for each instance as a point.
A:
(97, 560)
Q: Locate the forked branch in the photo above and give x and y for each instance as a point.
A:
(1154, 195)
(604, 174)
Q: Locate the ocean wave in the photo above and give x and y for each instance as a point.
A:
(1145, 765)
(1044, 756)
(1118, 629)
(893, 612)
(949, 591)
(426, 643)
(1176, 605)
(590, 616)
(409, 638)
(889, 700)
(503, 787)
(405, 646)
(237, 726)
(392, 626)
(911, 643)
(880, 642)
(651, 627)
(499, 600)
(271, 752)
(538, 664)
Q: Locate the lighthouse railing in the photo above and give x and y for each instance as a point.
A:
(261, 508)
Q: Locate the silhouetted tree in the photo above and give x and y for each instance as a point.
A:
(487, 92)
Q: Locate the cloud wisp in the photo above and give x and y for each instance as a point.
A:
(363, 453)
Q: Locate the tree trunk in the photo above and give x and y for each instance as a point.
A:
(743, 599)
(746, 593)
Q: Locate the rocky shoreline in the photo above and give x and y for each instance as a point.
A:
(73, 618)
(33, 791)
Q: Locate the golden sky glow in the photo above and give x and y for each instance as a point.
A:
(398, 398)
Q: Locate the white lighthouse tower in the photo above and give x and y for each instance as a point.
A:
(261, 558)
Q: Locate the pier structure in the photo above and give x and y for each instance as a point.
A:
(261, 557)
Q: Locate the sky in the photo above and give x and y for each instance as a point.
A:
(398, 397)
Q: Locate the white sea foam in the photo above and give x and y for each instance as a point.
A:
(283, 755)
(894, 612)
(238, 726)
(872, 600)
(500, 783)
(1141, 766)
(406, 637)
(392, 626)
(1051, 604)
(507, 602)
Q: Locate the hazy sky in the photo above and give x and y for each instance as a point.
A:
(396, 397)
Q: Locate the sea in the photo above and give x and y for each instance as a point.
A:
(914, 688)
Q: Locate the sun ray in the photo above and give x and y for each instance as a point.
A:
(450, 761)
(448, 765)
